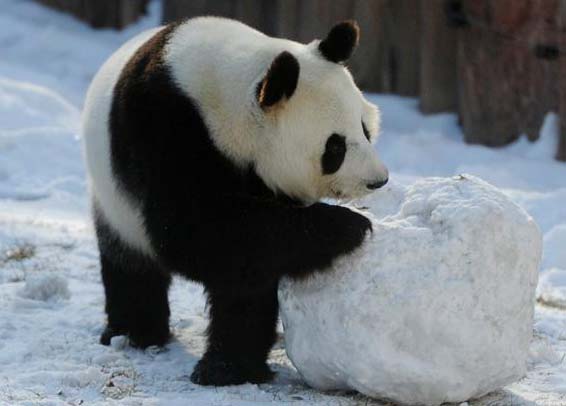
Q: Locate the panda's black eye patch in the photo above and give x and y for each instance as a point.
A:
(366, 132)
(334, 154)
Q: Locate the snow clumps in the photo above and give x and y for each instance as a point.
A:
(46, 287)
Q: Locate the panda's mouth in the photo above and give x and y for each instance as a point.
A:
(337, 194)
(341, 196)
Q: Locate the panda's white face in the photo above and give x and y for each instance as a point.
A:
(319, 142)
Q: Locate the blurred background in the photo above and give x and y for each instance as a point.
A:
(465, 87)
(499, 64)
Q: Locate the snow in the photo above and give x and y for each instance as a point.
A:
(49, 354)
(436, 306)
(555, 255)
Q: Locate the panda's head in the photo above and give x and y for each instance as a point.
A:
(317, 128)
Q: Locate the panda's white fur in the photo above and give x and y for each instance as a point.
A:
(218, 64)
(120, 210)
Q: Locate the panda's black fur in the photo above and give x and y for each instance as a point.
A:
(207, 220)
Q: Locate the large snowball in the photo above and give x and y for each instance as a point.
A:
(436, 306)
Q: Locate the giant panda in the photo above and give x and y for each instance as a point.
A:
(209, 147)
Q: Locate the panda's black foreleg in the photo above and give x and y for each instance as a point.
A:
(136, 304)
(241, 332)
(136, 292)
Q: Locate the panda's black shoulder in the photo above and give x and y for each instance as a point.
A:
(147, 111)
(147, 62)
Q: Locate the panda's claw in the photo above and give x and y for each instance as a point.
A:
(215, 371)
(157, 338)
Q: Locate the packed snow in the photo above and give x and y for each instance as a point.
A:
(49, 351)
(436, 306)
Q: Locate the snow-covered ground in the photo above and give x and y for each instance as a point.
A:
(51, 301)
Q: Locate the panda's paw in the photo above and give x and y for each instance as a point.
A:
(214, 370)
(142, 339)
(345, 229)
(152, 337)
(108, 333)
(360, 226)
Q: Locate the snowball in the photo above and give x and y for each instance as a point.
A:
(45, 287)
(436, 306)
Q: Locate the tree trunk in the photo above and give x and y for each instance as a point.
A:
(438, 80)
(505, 91)
(561, 152)
(401, 22)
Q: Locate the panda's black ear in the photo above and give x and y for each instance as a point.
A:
(279, 82)
(340, 42)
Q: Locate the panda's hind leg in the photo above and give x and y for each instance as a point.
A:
(136, 292)
(241, 332)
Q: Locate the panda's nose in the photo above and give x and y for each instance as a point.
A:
(377, 184)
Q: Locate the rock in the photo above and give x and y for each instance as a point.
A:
(436, 306)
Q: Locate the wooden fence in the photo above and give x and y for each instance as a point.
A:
(101, 13)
